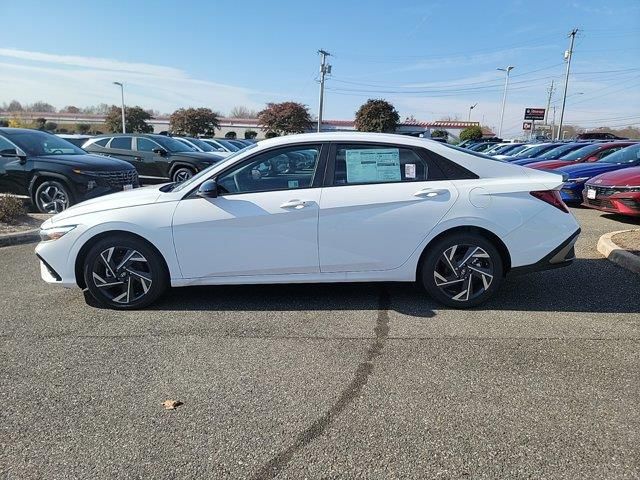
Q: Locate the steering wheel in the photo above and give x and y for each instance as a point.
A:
(57, 151)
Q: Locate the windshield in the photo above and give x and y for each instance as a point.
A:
(204, 146)
(203, 173)
(172, 145)
(513, 151)
(626, 155)
(533, 151)
(558, 151)
(36, 143)
(581, 153)
(228, 145)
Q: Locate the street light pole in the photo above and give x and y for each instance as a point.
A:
(471, 108)
(504, 96)
(568, 55)
(124, 130)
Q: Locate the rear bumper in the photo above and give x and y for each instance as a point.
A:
(561, 256)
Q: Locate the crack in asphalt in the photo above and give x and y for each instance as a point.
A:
(278, 463)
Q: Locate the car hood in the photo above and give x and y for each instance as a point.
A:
(130, 198)
(87, 162)
(589, 169)
(550, 164)
(625, 177)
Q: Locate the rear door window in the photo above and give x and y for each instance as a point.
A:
(121, 143)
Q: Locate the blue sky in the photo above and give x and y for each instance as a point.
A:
(432, 59)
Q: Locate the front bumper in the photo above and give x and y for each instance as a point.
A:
(572, 194)
(623, 203)
(561, 256)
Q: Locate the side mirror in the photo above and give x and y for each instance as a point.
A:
(208, 189)
(14, 152)
(159, 151)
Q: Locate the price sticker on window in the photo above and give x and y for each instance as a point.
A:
(410, 170)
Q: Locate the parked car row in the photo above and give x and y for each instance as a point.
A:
(601, 174)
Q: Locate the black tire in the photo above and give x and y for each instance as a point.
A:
(52, 196)
(122, 283)
(181, 174)
(462, 270)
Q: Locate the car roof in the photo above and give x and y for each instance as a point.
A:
(10, 130)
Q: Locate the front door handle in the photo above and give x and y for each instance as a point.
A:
(431, 192)
(296, 204)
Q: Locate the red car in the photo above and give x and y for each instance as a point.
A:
(591, 152)
(614, 192)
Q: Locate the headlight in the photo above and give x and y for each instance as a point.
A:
(578, 180)
(54, 233)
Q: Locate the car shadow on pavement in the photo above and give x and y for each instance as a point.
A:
(631, 221)
(588, 285)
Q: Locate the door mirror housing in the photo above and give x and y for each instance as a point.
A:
(208, 189)
(13, 152)
(160, 151)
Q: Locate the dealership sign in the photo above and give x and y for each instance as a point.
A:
(534, 113)
(526, 125)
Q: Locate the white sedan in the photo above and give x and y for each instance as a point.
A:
(327, 207)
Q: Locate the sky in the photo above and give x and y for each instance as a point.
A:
(431, 59)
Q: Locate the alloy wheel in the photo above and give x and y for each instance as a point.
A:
(53, 199)
(123, 275)
(463, 272)
(182, 175)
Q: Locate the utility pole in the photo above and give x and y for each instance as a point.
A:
(324, 69)
(546, 112)
(567, 55)
(504, 97)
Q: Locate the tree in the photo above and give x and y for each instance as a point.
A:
(440, 134)
(50, 126)
(70, 109)
(39, 123)
(83, 127)
(4, 123)
(135, 118)
(471, 133)
(242, 112)
(377, 116)
(14, 106)
(285, 118)
(231, 135)
(250, 134)
(41, 106)
(194, 122)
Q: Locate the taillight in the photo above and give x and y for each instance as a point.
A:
(552, 197)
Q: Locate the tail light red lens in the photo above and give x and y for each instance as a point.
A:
(552, 197)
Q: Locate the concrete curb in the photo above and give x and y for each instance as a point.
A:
(29, 236)
(616, 254)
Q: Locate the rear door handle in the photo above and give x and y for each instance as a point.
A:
(296, 204)
(431, 192)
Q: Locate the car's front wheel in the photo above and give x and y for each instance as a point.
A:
(124, 273)
(52, 196)
(462, 270)
(181, 174)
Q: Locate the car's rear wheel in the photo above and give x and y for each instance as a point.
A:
(181, 174)
(462, 270)
(52, 196)
(124, 273)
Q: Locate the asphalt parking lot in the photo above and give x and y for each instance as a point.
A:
(313, 381)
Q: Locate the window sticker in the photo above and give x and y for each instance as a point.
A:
(373, 165)
(293, 183)
(410, 170)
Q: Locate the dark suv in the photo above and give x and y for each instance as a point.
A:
(54, 173)
(157, 158)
